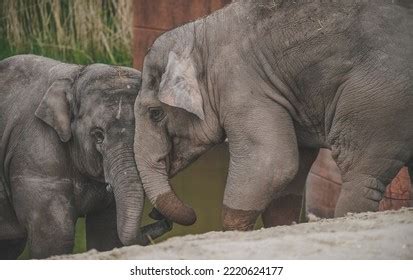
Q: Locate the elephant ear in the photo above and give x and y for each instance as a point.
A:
(179, 86)
(54, 109)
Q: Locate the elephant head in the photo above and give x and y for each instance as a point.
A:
(91, 110)
(176, 120)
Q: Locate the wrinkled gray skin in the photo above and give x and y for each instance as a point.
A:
(66, 133)
(280, 79)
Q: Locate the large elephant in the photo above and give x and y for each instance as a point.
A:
(66, 133)
(279, 79)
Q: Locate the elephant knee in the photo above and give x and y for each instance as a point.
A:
(284, 173)
(240, 220)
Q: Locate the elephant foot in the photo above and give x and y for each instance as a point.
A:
(283, 211)
(363, 197)
(240, 220)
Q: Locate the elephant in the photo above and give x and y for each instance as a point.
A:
(66, 151)
(279, 80)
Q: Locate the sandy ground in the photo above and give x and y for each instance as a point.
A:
(383, 235)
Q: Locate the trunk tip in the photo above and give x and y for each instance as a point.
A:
(171, 207)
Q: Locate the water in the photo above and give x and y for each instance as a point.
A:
(201, 185)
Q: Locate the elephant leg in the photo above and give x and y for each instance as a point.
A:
(11, 249)
(282, 211)
(288, 208)
(101, 230)
(365, 179)
(369, 141)
(44, 207)
(263, 161)
(52, 237)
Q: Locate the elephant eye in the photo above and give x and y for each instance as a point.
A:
(98, 134)
(156, 114)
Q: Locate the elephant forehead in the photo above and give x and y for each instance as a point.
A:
(104, 72)
(109, 87)
(108, 80)
(107, 107)
(147, 99)
(107, 93)
(124, 109)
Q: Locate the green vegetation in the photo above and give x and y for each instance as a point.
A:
(76, 31)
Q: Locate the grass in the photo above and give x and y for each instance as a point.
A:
(76, 31)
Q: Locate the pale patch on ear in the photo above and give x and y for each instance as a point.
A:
(54, 109)
(179, 86)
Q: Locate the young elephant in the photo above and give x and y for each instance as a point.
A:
(66, 133)
(280, 79)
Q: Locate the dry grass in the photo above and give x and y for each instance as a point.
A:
(74, 30)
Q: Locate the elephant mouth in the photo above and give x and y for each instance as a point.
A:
(175, 165)
(168, 165)
(101, 179)
(173, 169)
(174, 162)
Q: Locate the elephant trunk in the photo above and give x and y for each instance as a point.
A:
(161, 195)
(122, 174)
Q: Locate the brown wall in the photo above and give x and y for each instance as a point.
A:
(153, 17)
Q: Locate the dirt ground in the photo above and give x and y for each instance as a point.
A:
(382, 235)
